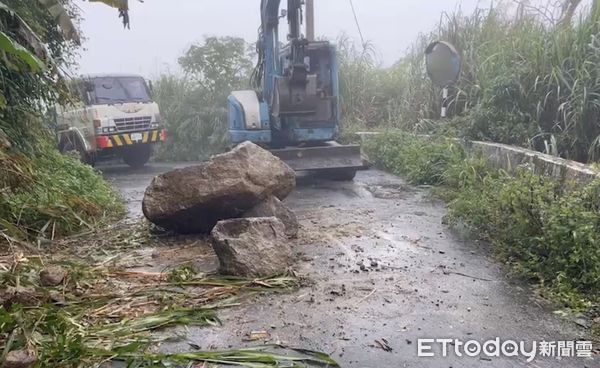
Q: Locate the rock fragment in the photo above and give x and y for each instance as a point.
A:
(273, 207)
(52, 276)
(252, 247)
(19, 359)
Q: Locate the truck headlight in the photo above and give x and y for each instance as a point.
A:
(109, 129)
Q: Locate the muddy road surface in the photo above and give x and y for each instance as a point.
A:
(381, 272)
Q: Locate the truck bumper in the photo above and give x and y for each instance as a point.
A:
(130, 139)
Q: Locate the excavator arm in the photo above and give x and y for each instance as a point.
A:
(296, 110)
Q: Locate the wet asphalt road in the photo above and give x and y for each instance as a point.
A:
(384, 271)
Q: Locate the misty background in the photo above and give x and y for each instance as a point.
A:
(161, 31)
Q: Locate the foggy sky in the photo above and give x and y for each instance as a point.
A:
(161, 31)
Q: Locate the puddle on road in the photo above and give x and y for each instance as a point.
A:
(389, 191)
(403, 242)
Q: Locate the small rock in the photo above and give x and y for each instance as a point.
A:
(583, 322)
(273, 207)
(19, 359)
(337, 292)
(25, 296)
(252, 247)
(257, 335)
(52, 276)
(57, 298)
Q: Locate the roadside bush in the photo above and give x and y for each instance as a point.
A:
(52, 195)
(546, 230)
(422, 161)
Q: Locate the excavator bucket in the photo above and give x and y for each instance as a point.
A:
(332, 157)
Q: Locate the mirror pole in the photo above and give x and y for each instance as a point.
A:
(444, 112)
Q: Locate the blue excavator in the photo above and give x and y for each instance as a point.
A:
(294, 108)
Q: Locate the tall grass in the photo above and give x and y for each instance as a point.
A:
(51, 195)
(197, 128)
(525, 80)
(358, 82)
(193, 105)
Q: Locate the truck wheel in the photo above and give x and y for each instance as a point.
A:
(75, 149)
(337, 174)
(137, 156)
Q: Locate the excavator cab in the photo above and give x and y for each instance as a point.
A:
(305, 97)
(294, 109)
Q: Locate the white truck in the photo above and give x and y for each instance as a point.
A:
(115, 116)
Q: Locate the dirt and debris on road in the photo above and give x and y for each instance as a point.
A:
(383, 272)
(113, 294)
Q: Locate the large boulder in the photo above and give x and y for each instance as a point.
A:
(273, 207)
(252, 247)
(194, 199)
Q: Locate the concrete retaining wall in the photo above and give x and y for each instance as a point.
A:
(508, 158)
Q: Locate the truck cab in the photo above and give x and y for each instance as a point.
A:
(113, 116)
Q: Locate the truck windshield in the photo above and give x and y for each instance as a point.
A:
(109, 90)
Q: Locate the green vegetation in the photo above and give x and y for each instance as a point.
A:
(406, 155)
(546, 230)
(52, 195)
(100, 313)
(193, 106)
(526, 81)
(262, 357)
(42, 194)
(33, 48)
